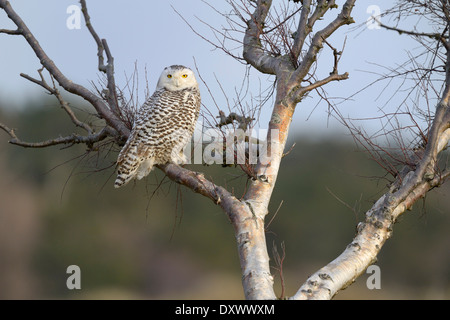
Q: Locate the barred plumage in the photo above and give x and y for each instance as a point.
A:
(163, 126)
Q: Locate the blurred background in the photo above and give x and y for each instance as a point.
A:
(157, 240)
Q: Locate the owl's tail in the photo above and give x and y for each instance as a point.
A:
(122, 179)
(127, 164)
(126, 172)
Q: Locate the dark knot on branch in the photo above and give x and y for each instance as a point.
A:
(243, 121)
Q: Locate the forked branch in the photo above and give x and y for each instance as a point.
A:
(104, 111)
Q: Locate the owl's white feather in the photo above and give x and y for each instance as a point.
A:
(163, 126)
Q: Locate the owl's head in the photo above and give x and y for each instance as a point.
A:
(176, 77)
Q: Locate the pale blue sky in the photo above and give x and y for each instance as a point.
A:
(153, 35)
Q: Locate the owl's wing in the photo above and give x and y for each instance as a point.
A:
(136, 149)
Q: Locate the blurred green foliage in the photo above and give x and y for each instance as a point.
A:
(155, 239)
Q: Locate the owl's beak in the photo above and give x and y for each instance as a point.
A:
(177, 82)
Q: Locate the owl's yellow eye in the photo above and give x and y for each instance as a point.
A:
(184, 75)
(169, 76)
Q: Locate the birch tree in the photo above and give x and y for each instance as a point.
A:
(291, 56)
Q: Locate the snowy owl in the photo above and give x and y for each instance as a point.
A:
(162, 127)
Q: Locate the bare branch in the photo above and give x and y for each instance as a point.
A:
(299, 93)
(322, 7)
(98, 41)
(343, 18)
(65, 105)
(67, 84)
(435, 36)
(307, 22)
(253, 50)
(303, 30)
(283, 21)
(73, 139)
(54, 91)
(108, 69)
(197, 182)
(11, 32)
